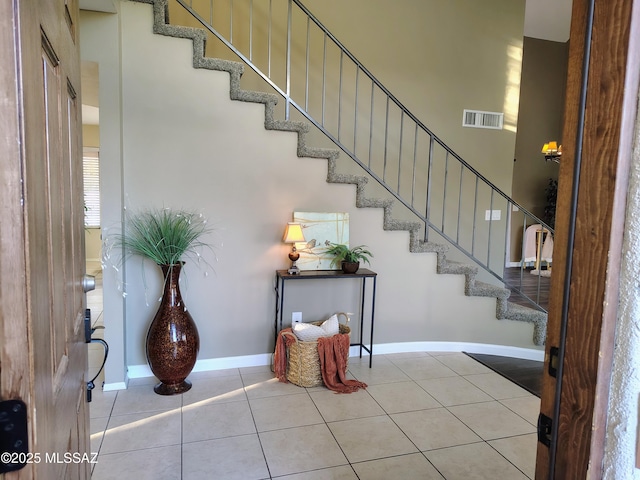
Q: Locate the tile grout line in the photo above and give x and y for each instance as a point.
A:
(482, 440)
(500, 453)
(326, 423)
(253, 418)
(400, 428)
(441, 406)
(182, 436)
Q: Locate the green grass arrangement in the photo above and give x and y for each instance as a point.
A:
(345, 254)
(165, 236)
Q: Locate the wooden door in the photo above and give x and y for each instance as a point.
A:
(594, 172)
(43, 357)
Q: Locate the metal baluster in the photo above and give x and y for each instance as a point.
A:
(231, 21)
(386, 137)
(490, 225)
(269, 39)
(324, 75)
(355, 115)
(522, 262)
(444, 193)
(507, 242)
(288, 66)
(539, 261)
(400, 150)
(429, 173)
(415, 154)
(210, 11)
(306, 76)
(459, 203)
(251, 30)
(340, 96)
(373, 87)
(475, 212)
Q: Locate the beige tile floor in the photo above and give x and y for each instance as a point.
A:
(425, 415)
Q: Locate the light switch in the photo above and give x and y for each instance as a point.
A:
(490, 215)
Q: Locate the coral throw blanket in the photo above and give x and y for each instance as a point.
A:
(280, 356)
(333, 352)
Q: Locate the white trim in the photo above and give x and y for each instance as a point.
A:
(139, 371)
(209, 364)
(483, 348)
(232, 362)
(109, 387)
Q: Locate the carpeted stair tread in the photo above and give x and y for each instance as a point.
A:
(482, 289)
(538, 318)
(458, 268)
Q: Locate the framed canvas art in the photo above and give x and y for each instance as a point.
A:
(320, 230)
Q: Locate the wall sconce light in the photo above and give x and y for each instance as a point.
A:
(293, 234)
(552, 151)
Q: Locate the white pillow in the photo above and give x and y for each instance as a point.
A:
(307, 332)
(331, 326)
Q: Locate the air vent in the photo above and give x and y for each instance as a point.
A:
(479, 119)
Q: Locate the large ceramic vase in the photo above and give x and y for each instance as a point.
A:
(172, 341)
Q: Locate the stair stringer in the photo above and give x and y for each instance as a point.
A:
(505, 310)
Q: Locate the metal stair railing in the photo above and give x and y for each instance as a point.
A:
(316, 75)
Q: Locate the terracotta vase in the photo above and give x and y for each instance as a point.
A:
(172, 340)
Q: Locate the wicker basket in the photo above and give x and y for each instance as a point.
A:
(303, 361)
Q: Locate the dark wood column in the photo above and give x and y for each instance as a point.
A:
(597, 136)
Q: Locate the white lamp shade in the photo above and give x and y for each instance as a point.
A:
(293, 233)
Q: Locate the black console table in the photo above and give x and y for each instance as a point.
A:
(282, 276)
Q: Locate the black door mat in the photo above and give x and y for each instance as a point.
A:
(525, 373)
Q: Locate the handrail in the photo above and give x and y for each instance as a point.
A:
(399, 104)
(393, 146)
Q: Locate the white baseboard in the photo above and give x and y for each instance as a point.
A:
(209, 364)
(110, 387)
(482, 348)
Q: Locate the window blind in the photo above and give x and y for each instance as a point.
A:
(91, 171)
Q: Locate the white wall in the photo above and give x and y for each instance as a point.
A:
(185, 144)
(100, 42)
(622, 427)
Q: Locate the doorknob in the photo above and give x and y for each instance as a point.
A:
(88, 283)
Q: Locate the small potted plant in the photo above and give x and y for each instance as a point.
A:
(349, 258)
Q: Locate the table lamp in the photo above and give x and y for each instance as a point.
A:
(293, 234)
(552, 151)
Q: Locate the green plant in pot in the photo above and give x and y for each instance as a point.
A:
(349, 258)
(167, 237)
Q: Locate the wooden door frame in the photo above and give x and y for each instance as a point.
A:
(590, 221)
(13, 293)
(28, 319)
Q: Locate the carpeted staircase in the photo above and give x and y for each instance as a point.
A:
(505, 310)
